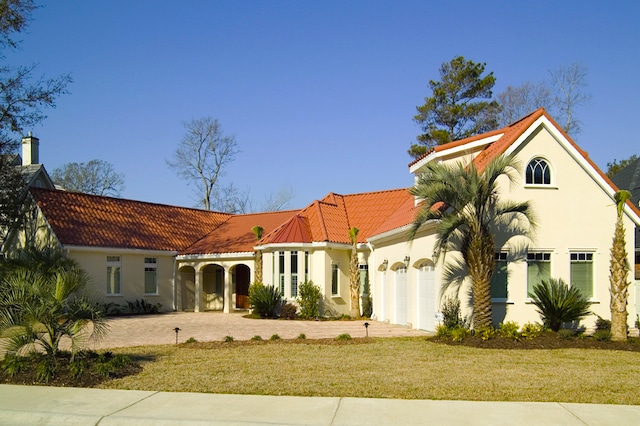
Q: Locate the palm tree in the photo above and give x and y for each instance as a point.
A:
(38, 309)
(619, 270)
(466, 202)
(257, 231)
(354, 274)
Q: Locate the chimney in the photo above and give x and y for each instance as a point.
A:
(30, 150)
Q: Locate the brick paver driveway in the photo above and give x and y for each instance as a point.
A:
(210, 326)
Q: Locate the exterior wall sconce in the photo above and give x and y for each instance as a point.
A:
(385, 263)
(406, 261)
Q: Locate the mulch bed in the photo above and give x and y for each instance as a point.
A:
(546, 340)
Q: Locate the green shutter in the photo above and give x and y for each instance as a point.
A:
(536, 273)
(499, 280)
(582, 277)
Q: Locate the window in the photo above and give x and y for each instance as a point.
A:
(335, 276)
(364, 279)
(294, 274)
(306, 266)
(538, 269)
(281, 272)
(582, 273)
(150, 275)
(538, 172)
(499, 279)
(113, 275)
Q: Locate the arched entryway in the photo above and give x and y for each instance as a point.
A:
(187, 288)
(213, 287)
(242, 277)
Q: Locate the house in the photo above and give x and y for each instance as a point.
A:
(188, 259)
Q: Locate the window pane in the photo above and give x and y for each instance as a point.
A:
(537, 272)
(294, 285)
(582, 277)
(499, 280)
(113, 280)
(334, 279)
(150, 283)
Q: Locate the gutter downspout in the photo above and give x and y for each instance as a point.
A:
(372, 280)
(173, 285)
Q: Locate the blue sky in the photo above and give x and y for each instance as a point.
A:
(319, 95)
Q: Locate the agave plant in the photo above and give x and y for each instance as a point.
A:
(558, 303)
(265, 300)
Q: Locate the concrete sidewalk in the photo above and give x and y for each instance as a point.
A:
(30, 405)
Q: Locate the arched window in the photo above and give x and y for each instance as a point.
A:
(538, 172)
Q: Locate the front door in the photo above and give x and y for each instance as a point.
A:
(242, 286)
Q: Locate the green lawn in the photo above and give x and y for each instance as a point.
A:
(411, 368)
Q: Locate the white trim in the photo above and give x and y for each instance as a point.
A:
(244, 255)
(454, 150)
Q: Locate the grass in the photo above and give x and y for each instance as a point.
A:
(408, 368)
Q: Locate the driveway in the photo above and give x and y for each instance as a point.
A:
(210, 326)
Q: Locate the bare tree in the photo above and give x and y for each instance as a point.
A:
(23, 99)
(279, 200)
(96, 177)
(569, 86)
(519, 101)
(202, 156)
(561, 97)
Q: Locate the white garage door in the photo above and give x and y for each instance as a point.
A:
(426, 298)
(400, 305)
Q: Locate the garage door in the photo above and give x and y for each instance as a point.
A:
(426, 298)
(400, 304)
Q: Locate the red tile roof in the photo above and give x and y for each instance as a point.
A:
(235, 235)
(89, 220)
(329, 219)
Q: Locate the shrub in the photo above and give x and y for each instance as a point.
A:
(344, 336)
(143, 307)
(638, 322)
(309, 297)
(531, 330)
(274, 337)
(459, 333)
(602, 324)
(302, 336)
(558, 303)
(443, 331)
(13, 364)
(256, 337)
(229, 338)
(485, 333)
(566, 334)
(451, 314)
(191, 340)
(510, 330)
(601, 335)
(288, 311)
(265, 300)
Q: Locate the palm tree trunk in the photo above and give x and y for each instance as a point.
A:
(480, 259)
(619, 270)
(258, 266)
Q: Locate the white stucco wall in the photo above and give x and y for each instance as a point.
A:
(94, 262)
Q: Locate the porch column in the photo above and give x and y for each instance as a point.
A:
(227, 290)
(199, 306)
